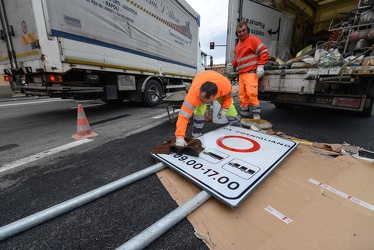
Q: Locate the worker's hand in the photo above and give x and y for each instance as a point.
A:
(260, 71)
(180, 142)
(229, 68)
(221, 113)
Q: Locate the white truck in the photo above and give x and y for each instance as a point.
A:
(292, 25)
(100, 49)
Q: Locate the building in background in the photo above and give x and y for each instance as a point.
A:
(220, 68)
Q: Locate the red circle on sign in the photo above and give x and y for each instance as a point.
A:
(255, 147)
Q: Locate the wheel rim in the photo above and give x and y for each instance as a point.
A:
(152, 95)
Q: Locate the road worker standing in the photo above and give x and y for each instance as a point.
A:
(250, 57)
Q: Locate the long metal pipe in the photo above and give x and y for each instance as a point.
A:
(49, 213)
(157, 229)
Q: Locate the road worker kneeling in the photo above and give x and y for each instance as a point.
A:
(206, 86)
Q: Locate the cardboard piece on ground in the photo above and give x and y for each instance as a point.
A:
(321, 219)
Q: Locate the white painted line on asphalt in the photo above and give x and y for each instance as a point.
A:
(165, 114)
(27, 103)
(43, 154)
(92, 105)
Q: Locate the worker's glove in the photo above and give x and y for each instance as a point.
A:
(180, 142)
(222, 113)
(260, 71)
(230, 68)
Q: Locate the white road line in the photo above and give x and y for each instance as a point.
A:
(43, 154)
(26, 103)
(92, 105)
(165, 114)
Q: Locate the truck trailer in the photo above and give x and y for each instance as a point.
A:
(321, 52)
(113, 50)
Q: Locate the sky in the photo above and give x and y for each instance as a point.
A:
(213, 26)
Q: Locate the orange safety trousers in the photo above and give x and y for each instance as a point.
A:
(248, 90)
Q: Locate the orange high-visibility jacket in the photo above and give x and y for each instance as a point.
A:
(249, 53)
(192, 99)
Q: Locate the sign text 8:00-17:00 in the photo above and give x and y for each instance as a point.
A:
(209, 172)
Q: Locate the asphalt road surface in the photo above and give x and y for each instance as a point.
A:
(105, 223)
(114, 219)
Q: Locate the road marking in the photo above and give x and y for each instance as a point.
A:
(43, 154)
(91, 105)
(165, 114)
(37, 102)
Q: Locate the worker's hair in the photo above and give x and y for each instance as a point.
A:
(241, 24)
(210, 88)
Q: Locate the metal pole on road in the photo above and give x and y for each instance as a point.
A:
(157, 229)
(49, 213)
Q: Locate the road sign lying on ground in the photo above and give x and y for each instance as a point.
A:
(234, 161)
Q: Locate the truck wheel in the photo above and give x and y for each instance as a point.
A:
(152, 93)
(368, 111)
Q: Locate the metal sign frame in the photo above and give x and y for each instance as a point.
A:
(234, 161)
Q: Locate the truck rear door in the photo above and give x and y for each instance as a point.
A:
(18, 34)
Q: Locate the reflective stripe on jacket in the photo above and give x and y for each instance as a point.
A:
(249, 53)
(192, 99)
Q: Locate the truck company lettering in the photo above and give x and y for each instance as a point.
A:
(112, 5)
(129, 9)
(256, 23)
(324, 100)
(115, 7)
(178, 39)
(169, 13)
(257, 32)
(153, 3)
(172, 16)
(72, 21)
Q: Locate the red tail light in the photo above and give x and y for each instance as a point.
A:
(54, 78)
(347, 102)
(6, 78)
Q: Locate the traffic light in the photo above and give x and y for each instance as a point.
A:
(211, 45)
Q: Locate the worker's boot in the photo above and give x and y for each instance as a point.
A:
(195, 135)
(198, 124)
(255, 112)
(256, 116)
(244, 112)
(234, 121)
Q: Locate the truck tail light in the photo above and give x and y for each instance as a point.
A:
(347, 102)
(6, 78)
(54, 78)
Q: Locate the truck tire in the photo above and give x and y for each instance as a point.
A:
(369, 110)
(152, 93)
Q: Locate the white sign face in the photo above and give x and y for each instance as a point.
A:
(234, 161)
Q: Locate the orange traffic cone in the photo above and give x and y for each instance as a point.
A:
(83, 128)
